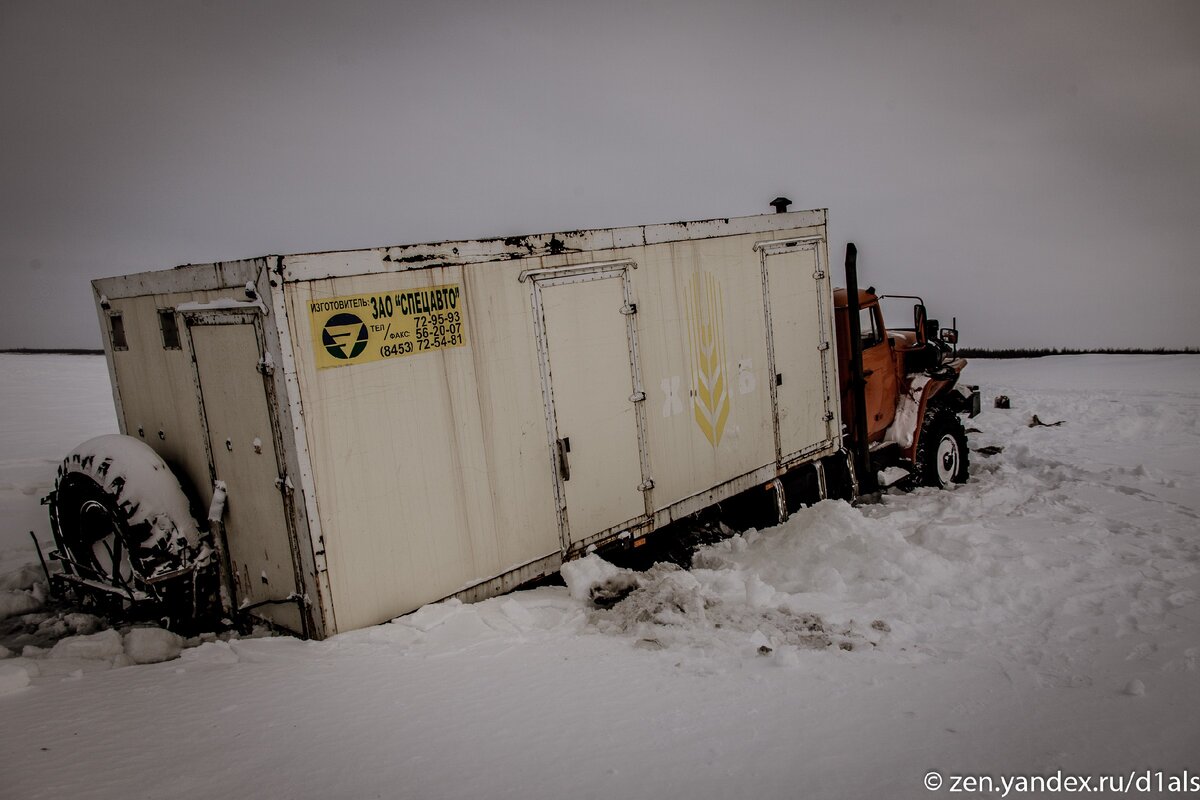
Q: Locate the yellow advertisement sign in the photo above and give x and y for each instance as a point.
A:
(356, 329)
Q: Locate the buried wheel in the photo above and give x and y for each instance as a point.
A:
(94, 535)
(942, 455)
(121, 519)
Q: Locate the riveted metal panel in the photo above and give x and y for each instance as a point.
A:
(432, 475)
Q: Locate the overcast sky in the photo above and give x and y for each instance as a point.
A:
(1032, 168)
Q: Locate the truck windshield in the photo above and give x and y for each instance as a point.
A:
(868, 329)
(899, 313)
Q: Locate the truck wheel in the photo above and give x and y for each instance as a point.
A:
(942, 454)
(120, 514)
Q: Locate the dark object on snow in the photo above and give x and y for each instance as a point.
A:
(990, 450)
(1037, 423)
(128, 547)
(1002, 401)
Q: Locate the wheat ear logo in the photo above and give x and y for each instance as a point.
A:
(706, 332)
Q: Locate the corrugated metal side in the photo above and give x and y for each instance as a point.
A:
(154, 388)
(704, 363)
(157, 386)
(433, 472)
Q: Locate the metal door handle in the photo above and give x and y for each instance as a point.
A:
(564, 463)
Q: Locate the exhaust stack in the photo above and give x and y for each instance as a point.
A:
(858, 384)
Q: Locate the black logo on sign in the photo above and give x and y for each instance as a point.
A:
(344, 336)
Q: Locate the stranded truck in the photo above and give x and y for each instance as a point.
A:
(360, 433)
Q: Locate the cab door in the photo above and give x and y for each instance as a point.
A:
(879, 372)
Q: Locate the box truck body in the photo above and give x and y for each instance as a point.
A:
(398, 425)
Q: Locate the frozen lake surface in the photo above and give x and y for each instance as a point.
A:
(1044, 616)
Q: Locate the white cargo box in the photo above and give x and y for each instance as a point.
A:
(400, 425)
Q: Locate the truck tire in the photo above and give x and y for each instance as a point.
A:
(942, 455)
(120, 515)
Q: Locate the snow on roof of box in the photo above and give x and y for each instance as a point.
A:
(333, 264)
(314, 266)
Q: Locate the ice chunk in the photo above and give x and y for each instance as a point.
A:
(103, 645)
(426, 618)
(16, 674)
(79, 622)
(517, 614)
(151, 645)
(581, 575)
(211, 653)
(892, 475)
(22, 578)
(15, 603)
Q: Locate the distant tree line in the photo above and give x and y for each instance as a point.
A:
(1038, 352)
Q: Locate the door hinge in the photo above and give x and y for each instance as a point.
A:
(284, 483)
(629, 309)
(823, 346)
(819, 275)
(828, 416)
(646, 485)
(637, 397)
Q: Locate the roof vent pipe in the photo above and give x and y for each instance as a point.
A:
(781, 204)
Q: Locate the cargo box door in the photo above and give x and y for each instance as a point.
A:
(242, 442)
(594, 406)
(795, 287)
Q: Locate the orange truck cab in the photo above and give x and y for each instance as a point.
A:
(911, 392)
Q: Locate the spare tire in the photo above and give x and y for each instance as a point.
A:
(120, 515)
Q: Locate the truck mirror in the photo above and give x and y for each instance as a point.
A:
(949, 336)
(931, 329)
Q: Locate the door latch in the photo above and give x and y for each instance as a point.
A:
(564, 463)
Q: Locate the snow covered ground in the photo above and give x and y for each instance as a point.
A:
(1045, 616)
